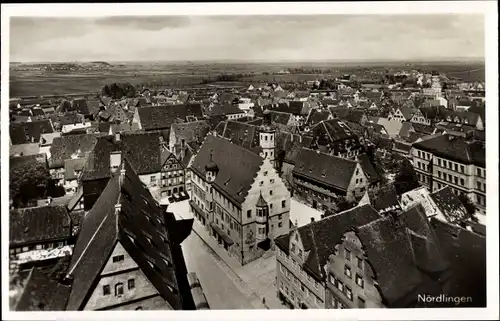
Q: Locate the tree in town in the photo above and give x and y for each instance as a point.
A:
(406, 178)
(469, 206)
(28, 181)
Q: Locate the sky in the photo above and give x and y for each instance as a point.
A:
(248, 38)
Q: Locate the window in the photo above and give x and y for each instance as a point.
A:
(153, 179)
(462, 182)
(455, 167)
(360, 263)
(348, 293)
(271, 193)
(340, 286)
(359, 280)
(271, 180)
(119, 289)
(478, 185)
(131, 284)
(280, 224)
(361, 303)
(279, 217)
(333, 280)
(118, 258)
(300, 253)
(462, 169)
(293, 248)
(265, 173)
(261, 183)
(439, 161)
(347, 271)
(106, 290)
(302, 288)
(439, 174)
(249, 213)
(283, 204)
(347, 255)
(478, 172)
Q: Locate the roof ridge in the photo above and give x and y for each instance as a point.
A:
(88, 245)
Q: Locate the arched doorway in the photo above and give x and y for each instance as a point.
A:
(175, 190)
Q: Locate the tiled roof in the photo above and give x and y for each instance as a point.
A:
(449, 204)
(368, 168)
(316, 116)
(236, 172)
(348, 114)
(139, 218)
(162, 117)
(291, 144)
(428, 256)
(224, 109)
(280, 117)
(24, 149)
(405, 129)
(466, 252)
(238, 133)
(384, 198)
(455, 148)
(142, 150)
(71, 166)
(64, 147)
(39, 224)
(389, 249)
(43, 293)
(320, 238)
(29, 132)
(393, 127)
(68, 118)
(327, 169)
(333, 130)
(424, 129)
(191, 131)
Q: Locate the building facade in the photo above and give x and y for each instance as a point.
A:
(241, 200)
(452, 161)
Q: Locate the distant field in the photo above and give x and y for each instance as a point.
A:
(37, 83)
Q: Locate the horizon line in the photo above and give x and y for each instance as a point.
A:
(243, 60)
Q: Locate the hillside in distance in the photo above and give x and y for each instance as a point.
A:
(70, 78)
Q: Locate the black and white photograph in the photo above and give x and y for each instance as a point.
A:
(180, 158)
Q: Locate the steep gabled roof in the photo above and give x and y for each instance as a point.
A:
(146, 232)
(466, 252)
(321, 237)
(141, 149)
(238, 166)
(327, 169)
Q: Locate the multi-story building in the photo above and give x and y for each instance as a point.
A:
(322, 178)
(239, 197)
(303, 253)
(454, 161)
(360, 259)
(128, 254)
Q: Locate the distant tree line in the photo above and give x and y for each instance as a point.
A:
(119, 90)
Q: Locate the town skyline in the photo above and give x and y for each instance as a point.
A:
(299, 38)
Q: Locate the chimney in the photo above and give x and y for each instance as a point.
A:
(115, 159)
(117, 136)
(312, 219)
